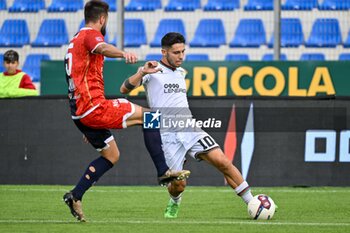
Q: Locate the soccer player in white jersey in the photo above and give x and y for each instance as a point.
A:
(178, 142)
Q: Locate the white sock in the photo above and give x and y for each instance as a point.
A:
(243, 190)
(176, 200)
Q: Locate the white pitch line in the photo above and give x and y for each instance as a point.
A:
(233, 222)
(189, 190)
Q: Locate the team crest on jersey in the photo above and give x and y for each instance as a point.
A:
(116, 103)
(99, 39)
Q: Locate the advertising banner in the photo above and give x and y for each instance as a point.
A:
(292, 78)
(273, 142)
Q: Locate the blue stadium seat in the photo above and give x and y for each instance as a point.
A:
(106, 38)
(197, 57)
(312, 57)
(81, 25)
(237, 57)
(27, 6)
(3, 5)
(153, 57)
(335, 5)
(259, 5)
(300, 5)
(342, 57)
(165, 26)
(14, 33)
(112, 5)
(52, 33)
(2, 62)
(249, 33)
(32, 65)
(221, 5)
(65, 5)
(183, 5)
(291, 33)
(325, 33)
(143, 5)
(134, 33)
(347, 42)
(269, 57)
(209, 33)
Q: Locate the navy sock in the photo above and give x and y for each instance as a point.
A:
(94, 171)
(153, 144)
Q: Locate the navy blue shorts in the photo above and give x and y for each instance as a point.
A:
(98, 138)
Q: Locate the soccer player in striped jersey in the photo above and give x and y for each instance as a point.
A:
(165, 89)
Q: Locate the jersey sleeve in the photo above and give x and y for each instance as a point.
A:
(145, 79)
(93, 40)
(26, 82)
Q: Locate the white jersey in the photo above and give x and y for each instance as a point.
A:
(166, 91)
(166, 88)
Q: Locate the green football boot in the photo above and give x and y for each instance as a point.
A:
(171, 210)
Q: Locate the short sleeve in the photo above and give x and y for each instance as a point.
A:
(145, 79)
(26, 82)
(93, 39)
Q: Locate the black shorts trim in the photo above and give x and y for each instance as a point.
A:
(204, 152)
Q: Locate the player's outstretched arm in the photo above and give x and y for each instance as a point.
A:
(109, 50)
(135, 80)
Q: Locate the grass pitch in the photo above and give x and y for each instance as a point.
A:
(203, 209)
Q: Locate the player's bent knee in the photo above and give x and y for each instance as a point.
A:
(112, 157)
(115, 157)
(111, 153)
(223, 165)
(218, 159)
(136, 118)
(179, 186)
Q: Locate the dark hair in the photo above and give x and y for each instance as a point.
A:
(11, 56)
(94, 9)
(172, 38)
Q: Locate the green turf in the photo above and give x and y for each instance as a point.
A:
(203, 209)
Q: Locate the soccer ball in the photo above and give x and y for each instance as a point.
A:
(261, 207)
